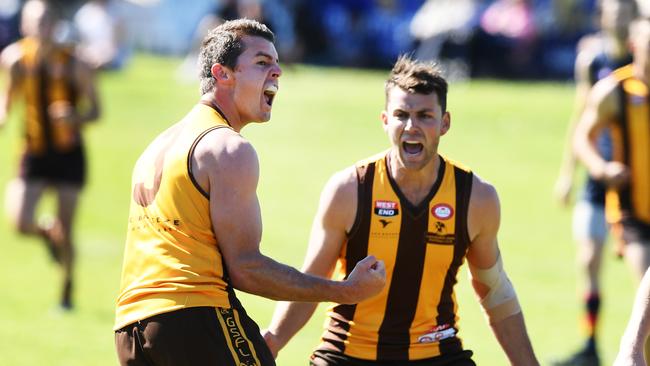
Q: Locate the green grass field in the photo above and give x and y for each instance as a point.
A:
(324, 120)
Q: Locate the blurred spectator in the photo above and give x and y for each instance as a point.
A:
(276, 14)
(9, 15)
(442, 29)
(101, 34)
(504, 45)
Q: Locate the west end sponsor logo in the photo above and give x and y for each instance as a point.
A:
(442, 211)
(386, 208)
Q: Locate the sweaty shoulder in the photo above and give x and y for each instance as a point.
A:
(484, 208)
(226, 156)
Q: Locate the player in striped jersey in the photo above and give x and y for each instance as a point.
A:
(59, 97)
(598, 55)
(621, 103)
(423, 215)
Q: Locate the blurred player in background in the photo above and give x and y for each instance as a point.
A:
(620, 103)
(598, 55)
(423, 215)
(59, 97)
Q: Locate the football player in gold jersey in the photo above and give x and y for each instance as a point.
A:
(621, 103)
(195, 226)
(59, 95)
(423, 215)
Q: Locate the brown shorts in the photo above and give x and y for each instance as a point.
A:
(193, 336)
(329, 358)
(55, 168)
(631, 230)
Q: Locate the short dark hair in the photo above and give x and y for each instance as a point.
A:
(419, 77)
(223, 45)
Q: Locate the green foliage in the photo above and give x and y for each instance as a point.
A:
(511, 134)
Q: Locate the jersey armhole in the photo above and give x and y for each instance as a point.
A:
(190, 154)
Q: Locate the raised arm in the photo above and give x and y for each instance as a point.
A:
(335, 216)
(638, 328)
(601, 109)
(497, 296)
(227, 167)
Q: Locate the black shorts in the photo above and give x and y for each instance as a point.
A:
(55, 167)
(632, 231)
(329, 358)
(194, 336)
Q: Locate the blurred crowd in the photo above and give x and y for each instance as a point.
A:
(470, 38)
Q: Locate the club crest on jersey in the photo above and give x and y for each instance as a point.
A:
(442, 211)
(386, 208)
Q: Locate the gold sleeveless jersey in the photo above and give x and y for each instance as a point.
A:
(414, 317)
(47, 78)
(171, 258)
(631, 146)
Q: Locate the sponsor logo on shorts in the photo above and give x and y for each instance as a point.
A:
(437, 334)
(442, 211)
(240, 344)
(386, 208)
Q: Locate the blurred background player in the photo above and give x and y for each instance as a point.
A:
(620, 103)
(53, 84)
(598, 55)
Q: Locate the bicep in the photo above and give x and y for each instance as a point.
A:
(484, 220)
(335, 215)
(234, 206)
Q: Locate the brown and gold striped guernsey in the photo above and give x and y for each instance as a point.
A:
(47, 79)
(415, 316)
(171, 257)
(631, 146)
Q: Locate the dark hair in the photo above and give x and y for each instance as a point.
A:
(418, 77)
(223, 45)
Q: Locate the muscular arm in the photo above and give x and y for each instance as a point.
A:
(334, 218)
(227, 168)
(505, 317)
(601, 108)
(638, 328)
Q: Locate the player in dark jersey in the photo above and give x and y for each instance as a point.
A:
(423, 215)
(620, 102)
(53, 84)
(598, 55)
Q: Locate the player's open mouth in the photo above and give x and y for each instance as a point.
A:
(269, 94)
(412, 147)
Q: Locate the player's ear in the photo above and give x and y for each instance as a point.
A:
(384, 119)
(221, 73)
(446, 123)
